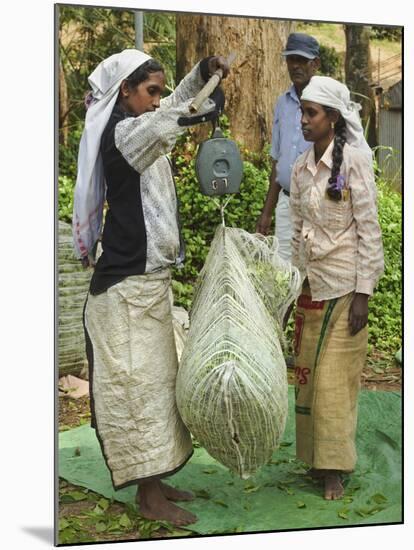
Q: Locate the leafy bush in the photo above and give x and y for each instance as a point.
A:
(385, 308)
(68, 157)
(65, 198)
(200, 214)
(330, 61)
(68, 153)
(386, 33)
(89, 34)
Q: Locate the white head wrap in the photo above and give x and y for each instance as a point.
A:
(89, 196)
(327, 91)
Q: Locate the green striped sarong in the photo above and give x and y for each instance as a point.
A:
(328, 366)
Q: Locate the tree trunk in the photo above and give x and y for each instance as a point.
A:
(63, 106)
(358, 75)
(258, 75)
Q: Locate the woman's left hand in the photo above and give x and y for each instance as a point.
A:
(218, 62)
(358, 313)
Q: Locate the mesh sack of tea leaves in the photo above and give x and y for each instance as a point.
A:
(232, 381)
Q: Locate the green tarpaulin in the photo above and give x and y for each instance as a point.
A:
(279, 496)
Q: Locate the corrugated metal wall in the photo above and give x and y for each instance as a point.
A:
(390, 135)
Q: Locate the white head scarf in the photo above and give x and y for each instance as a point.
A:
(327, 91)
(89, 196)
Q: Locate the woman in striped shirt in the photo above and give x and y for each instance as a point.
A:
(338, 248)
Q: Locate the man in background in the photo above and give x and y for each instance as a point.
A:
(302, 59)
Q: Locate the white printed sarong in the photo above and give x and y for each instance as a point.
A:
(133, 368)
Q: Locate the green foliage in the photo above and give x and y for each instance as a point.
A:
(87, 36)
(330, 62)
(68, 157)
(68, 153)
(159, 37)
(200, 214)
(65, 198)
(385, 306)
(386, 33)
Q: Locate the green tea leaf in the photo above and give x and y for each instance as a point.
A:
(299, 471)
(282, 486)
(385, 437)
(76, 495)
(77, 523)
(103, 503)
(351, 489)
(202, 493)
(98, 511)
(67, 536)
(366, 511)
(378, 370)
(251, 488)
(63, 523)
(221, 503)
(379, 498)
(115, 530)
(179, 533)
(131, 509)
(124, 521)
(100, 527)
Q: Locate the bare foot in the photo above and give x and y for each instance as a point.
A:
(153, 505)
(175, 494)
(333, 486)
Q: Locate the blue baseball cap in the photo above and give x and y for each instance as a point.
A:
(302, 44)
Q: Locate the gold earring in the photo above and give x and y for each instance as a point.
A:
(333, 125)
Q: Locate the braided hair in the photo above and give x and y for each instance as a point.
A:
(334, 190)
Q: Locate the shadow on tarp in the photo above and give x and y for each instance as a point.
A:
(279, 496)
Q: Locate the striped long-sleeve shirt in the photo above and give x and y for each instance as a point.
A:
(336, 244)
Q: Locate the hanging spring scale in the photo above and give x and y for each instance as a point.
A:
(218, 165)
